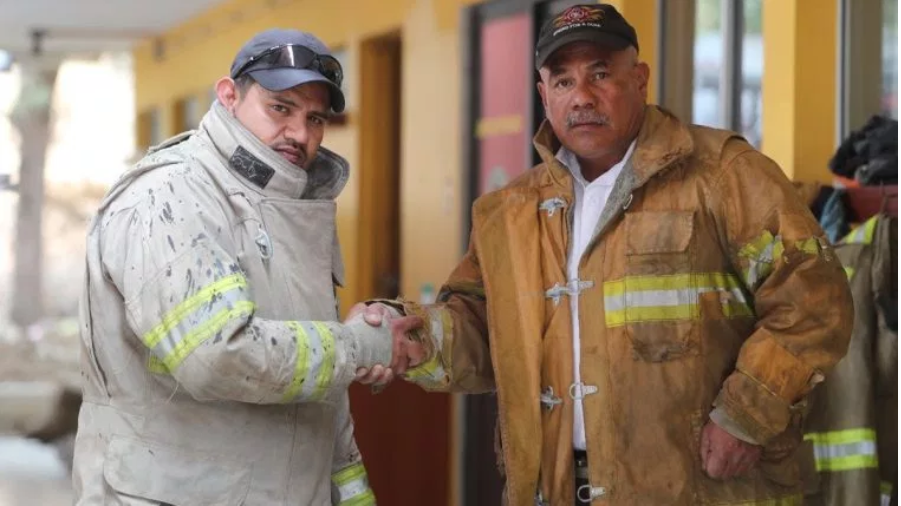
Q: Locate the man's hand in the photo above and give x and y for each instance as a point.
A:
(724, 456)
(406, 353)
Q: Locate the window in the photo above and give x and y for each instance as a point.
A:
(868, 62)
(708, 59)
(890, 58)
(728, 66)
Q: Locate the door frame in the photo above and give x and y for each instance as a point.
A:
(480, 481)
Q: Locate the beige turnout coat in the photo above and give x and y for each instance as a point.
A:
(214, 373)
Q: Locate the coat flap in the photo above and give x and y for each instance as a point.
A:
(507, 245)
(173, 475)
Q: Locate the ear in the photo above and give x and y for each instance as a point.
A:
(542, 90)
(227, 93)
(643, 75)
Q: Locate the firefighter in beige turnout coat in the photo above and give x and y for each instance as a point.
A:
(214, 371)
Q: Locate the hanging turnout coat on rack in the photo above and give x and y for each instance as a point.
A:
(851, 432)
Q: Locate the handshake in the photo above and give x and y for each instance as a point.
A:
(383, 344)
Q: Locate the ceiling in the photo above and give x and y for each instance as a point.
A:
(87, 26)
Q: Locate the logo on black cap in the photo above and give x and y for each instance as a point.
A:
(577, 16)
(598, 23)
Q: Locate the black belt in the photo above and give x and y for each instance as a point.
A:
(580, 458)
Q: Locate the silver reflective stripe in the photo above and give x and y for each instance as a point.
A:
(834, 451)
(353, 488)
(651, 298)
(664, 298)
(195, 321)
(437, 324)
(315, 359)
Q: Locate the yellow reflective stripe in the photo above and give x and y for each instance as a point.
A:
(302, 363)
(353, 486)
(672, 297)
(810, 246)
(156, 366)
(205, 331)
(845, 449)
(174, 317)
(426, 370)
(862, 234)
(757, 246)
(671, 282)
(849, 271)
(349, 474)
(324, 378)
(365, 499)
(847, 463)
(841, 436)
(761, 254)
(649, 314)
(792, 500)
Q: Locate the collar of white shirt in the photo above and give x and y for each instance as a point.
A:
(569, 160)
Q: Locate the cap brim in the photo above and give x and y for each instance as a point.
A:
(286, 78)
(610, 40)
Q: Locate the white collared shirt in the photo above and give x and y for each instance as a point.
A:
(589, 201)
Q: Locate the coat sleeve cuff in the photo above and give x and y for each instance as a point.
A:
(719, 417)
(749, 404)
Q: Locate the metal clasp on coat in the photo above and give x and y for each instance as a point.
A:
(628, 201)
(578, 391)
(551, 205)
(264, 243)
(549, 400)
(587, 493)
(572, 287)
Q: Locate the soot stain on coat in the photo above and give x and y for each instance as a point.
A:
(199, 237)
(189, 283)
(167, 214)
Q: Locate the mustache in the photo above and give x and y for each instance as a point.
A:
(589, 117)
(293, 146)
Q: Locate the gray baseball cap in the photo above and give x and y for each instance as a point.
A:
(281, 59)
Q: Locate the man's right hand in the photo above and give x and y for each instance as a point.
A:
(406, 352)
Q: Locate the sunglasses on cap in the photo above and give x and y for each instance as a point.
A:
(294, 56)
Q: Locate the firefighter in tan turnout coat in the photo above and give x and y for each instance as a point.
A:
(654, 350)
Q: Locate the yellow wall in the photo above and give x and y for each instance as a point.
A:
(799, 86)
(642, 15)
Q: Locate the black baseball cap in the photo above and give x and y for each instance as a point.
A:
(600, 23)
(306, 60)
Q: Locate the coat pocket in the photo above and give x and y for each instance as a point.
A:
(166, 475)
(657, 302)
